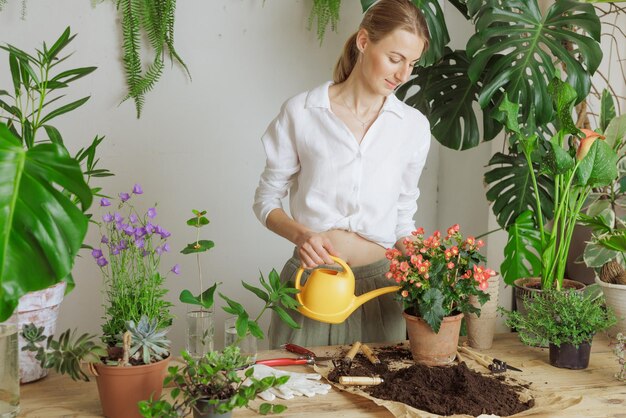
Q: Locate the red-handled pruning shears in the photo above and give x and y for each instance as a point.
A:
(286, 361)
(294, 348)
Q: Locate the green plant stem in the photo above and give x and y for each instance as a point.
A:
(199, 265)
(488, 232)
(536, 188)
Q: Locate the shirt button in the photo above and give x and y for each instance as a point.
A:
(355, 188)
(358, 155)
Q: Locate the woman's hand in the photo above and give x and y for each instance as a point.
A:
(314, 249)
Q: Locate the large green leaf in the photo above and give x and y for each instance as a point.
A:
(446, 96)
(521, 253)
(437, 29)
(616, 131)
(595, 255)
(599, 167)
(528, 43)
(511, 189)
(41, 230)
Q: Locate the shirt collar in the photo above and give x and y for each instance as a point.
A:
(318, 97)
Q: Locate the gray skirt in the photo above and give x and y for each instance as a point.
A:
(378, 320)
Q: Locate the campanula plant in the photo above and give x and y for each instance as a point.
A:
(129, 256)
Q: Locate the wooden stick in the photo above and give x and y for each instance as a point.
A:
(360, 380)
(370, 354)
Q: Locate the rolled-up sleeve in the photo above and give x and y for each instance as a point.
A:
(409, 190)
(281, 166)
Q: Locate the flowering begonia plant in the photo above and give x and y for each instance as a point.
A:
(437, 275)
(129, 255)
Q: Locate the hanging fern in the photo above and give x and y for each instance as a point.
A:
(23, 12)
(326, 11)
(156, 19)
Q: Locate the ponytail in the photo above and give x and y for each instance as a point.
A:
(347, 61)
(382, 18)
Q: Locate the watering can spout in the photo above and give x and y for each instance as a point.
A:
(328, 295)
(366, 297)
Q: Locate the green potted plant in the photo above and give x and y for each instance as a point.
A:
(567, 168)
(45, 194)
(136, 314)
(437, 276)
(210, 385)
(568, 320)
(606, 251)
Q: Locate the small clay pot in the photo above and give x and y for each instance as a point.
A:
(121, 388)
(202, 409)
(430, 348)
(567, 356)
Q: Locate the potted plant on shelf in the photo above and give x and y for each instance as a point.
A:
(567, 167)
(136, 313)
(437, 276)
(210, 385)
(39, 246)
(567, 319)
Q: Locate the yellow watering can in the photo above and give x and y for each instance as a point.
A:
(328, 295)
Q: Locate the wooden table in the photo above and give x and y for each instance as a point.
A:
(602, 394)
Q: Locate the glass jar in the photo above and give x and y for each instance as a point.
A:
(200, 331)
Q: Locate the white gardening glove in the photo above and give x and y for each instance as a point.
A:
(299, 384)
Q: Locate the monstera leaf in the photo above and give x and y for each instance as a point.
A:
(521, 253)
(41, 230)
(446, 96)
(528, 43)
(511, 189)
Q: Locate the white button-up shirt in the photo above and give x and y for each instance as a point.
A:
(334, 182)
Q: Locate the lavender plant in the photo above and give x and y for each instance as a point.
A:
(129, 257)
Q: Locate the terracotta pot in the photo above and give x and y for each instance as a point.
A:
(615, 296)
(567, 356)
(121, 388)
(42, 309)
(429, 348)
(202, 409)
(480, 329)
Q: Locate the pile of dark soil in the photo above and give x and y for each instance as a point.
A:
(445, 390)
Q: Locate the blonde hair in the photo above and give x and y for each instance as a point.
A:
(382, 18)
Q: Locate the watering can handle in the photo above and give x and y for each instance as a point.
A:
(337, 260)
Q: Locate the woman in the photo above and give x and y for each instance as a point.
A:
(350, 154)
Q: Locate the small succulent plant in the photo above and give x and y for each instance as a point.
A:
(65, 354)
(148, 341)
